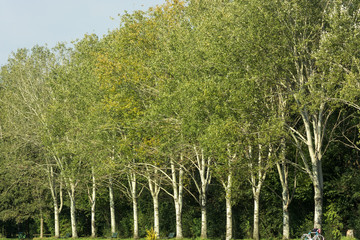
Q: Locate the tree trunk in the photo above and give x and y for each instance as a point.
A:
(314, 136)
(71, 193)
(227, 183)
(257, 178)
(136, 222)
(41, 224)
(57, 208)
(132, 185)
(156, 216)
(177, 185)
(112, 206)
(93, 204)
(285, 200)
(228, 199)
(283, 170)
(178, 218)
(318, 197)
(154, 187)
(256, 233)
(286, 222)
(203, 214)
(56, 220)
(203, 166)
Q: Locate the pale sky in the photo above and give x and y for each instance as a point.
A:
(26, 23)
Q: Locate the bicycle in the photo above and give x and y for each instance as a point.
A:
(313, 235)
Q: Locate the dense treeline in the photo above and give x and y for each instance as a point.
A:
(213, 119)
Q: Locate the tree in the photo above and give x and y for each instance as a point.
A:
(25, 101)
(72, 119)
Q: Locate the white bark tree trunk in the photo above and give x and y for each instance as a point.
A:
(156, 217)
(56, 220)
(134, 196)
(283, 173)
(203, 215)
(203, 166)
(313, 138)
(228, 199)
(136, 222)
(55, 196)
(41, 224)
(314, 144)
(112, 206)
(283, 170)
(92, 199)
(256, 179)
(256, 233)
(154, 186)
(177, 185)
(318, 197)
(227, 183)
(312, 118)
(71, 193)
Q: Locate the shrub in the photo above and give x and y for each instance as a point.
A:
(151, 234)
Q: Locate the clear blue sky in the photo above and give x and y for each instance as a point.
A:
(25, 23)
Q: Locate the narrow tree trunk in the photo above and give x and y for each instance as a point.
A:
(156, 216)
(178, 218)
(285, 202)
(228, 219)
(154, 187)
(132, 184)
(71, 193)
(41, 224)
(228, 199)
(286, 222)
(256, 182)
(57, 208)
(203, 214)
(203, 166)
(93, 205)
(112, 206)
(136, 222)
(256, 233)
(318, 197)
(283, 171)
(228, 185)
(314, 130)
(56, 220)
(177, 184)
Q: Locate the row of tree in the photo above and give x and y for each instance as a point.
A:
(219, 96)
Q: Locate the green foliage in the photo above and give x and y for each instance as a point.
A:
(151, 234)
(333, 223)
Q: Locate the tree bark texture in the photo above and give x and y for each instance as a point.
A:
(112, 206)
(256, 233)
(314, 136)
(177, 185)
(71, 193)
(154, 186)
(228, 199)
(93, 205)
(55, 195)
(203, 166)
(41, 224)
(283, 171)
(132, 185)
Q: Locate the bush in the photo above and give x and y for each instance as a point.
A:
(333, 223)
(151, 234)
